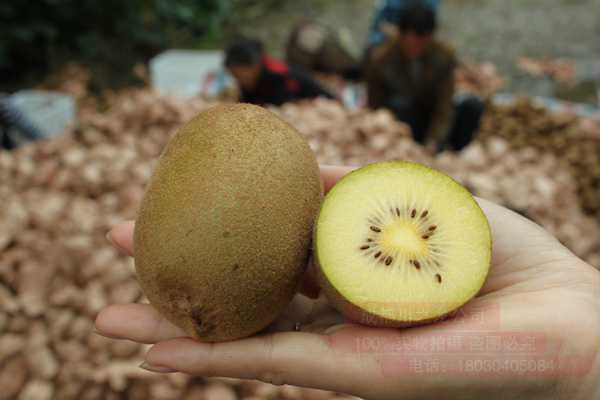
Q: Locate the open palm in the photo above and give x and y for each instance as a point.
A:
(533, 332)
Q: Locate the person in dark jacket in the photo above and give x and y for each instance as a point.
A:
(319, 48)
(412, 75)
(387, 16)
(264, 80)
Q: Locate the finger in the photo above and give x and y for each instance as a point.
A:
(518, 247)
(310, 286)
(515, 235)
(331, 174)
(121, 236)
(138, 322)
(295, 358)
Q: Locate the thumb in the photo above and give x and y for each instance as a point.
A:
(295, 358)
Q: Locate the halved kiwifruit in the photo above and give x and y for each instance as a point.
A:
(399, 244)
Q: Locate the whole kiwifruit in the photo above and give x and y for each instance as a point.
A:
(223, 233)
(400, 244)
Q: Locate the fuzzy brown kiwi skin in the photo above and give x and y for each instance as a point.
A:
(357, 314)
(202, 251)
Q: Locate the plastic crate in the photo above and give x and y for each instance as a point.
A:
(51, 113)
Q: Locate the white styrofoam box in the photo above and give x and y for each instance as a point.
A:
(51, 112)
(189, 73)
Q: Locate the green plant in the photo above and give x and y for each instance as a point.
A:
(46, 33)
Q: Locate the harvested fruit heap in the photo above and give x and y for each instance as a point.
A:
(574, 141)
(61, 196)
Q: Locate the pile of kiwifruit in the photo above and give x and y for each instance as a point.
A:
(525, 124)
(61, 196)
(351, 137)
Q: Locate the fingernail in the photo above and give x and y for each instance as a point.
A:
(109, 238)
(113, 243)
(156, 368)
(335, 328)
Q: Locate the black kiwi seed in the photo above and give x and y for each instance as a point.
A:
(424, 214)
(397, 211)
(375, 229)
(432, 228)
(388, 260)
(369, 240)
(425, 237)
(377, 254)
(413, 213)
(365, 247)
(438, 277)
(416, 264)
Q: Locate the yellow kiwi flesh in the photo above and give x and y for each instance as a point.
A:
(223, 233)
(400, 244)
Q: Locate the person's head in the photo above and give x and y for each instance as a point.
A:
(416, 25)
(243, 60)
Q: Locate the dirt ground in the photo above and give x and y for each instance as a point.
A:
(481, 30)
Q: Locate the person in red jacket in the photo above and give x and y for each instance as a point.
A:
(264, 80)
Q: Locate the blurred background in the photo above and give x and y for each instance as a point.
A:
(90, 92)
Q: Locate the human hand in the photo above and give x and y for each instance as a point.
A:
(430, 147)
(390, 30)
(539, 298)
